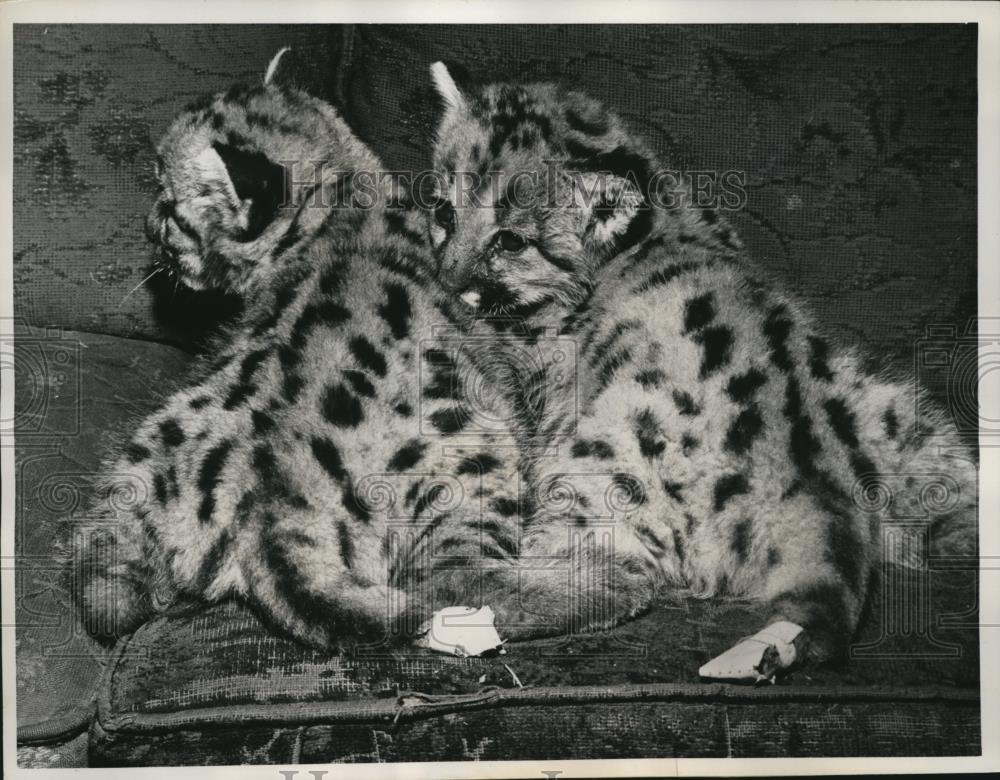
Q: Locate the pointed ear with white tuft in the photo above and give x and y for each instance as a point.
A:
(446, 86)
(272, 66)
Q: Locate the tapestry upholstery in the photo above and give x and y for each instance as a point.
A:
(859, 147)
(633, 691)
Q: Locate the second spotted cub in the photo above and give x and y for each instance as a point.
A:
(738, 438)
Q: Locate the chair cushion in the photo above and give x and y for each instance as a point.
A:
(216, 687)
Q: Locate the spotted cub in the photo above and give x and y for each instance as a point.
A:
(325, 464)
(741, 445)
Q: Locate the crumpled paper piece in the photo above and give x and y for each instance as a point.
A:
(461, 631)
(757, 658)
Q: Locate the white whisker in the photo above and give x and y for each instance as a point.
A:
(129, 293)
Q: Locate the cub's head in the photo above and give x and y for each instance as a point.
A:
(234, 171)
(536, 188)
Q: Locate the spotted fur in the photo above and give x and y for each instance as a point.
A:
(306, 467)
(744, 442)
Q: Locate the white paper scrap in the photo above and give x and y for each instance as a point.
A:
(757, 658)
(462, 631)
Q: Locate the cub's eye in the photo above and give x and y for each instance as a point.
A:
(509, 241)
(444, 214)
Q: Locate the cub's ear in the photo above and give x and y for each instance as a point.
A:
(612, 186)
(274, 67)
(261, 185)
(615, 213)
(447, 85)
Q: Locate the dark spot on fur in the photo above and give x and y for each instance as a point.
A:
(717, 346)
(482, 463)
(505, 507)
(359, 382)
(135, 452)
(331, 278)
(160, 487)
(325, 312)
(266, 466)
(450, 420)
(350, 502)
(213, 561)
(685, 403)
(429, 497)
(678, 539)
(403, 409)
(803, 446)
(368, 355)
(650, 379)
(208, 478)
(407, 456)
(346, 544)
(891, 423)
(862, 465)
(593, 448)
(841, 421)
(444, 379)
(288, 239)
(819, 354)
(674, 490)
(200, 401)
(610, 341)
(698, 312)
(689, 443)
(728, 486)
(396, 310)
(776, 328)
(262, 422)
(792, 490)
(740, 542)
(631, 487)
(412, 492)
(291, 387)
(341, 407)
(649, 434)
(328, 456)
(171, 433)
(773, 557)
(667, 275)
(238, 394)
(745, 428)
(742, 387)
